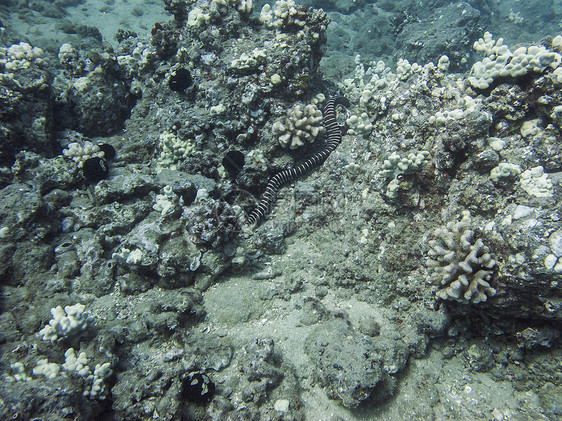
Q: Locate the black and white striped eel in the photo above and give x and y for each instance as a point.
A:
(334, 134)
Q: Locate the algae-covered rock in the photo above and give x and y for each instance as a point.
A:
(349, 365)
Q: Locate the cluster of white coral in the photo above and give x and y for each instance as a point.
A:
(373, 86)
(95, 379)
(370, 86)
(131, 257)
(460, 265)
(47, 369)
(501, 61)
(79, 153)
(505, 171)
(372, 91)
(249, 61)
(20, 56)
(283, 13)
(66, 323)
(67, 54)
(201, 14)
(359, 124)
(463, 105)
(395, 165)
(198, 17)
(136, 62)
(302, 125)
(167, 202)
(79, 364)
(536, 183)
(173, 150)
(404, 69)
(18, 373)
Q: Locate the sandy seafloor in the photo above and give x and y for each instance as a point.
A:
(329, 309)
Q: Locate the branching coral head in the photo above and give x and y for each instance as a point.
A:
(460, 265)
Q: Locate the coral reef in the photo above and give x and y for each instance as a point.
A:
(334, 134)
(536, 183)
(361, 293)
(212, 222)
(80, 153)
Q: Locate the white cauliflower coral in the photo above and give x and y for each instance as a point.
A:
(66, 323)
(302, 125)
(460, 265)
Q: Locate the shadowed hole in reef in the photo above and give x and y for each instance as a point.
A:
(233, 162)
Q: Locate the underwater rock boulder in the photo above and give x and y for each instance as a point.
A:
(348, 364)
(96, 105)
(28, 90)
(458, 22)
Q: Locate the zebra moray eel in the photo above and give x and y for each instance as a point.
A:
(334, 134)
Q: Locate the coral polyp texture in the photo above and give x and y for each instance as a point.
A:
(302, 125)
(396, 166)
(501, 61)
(282, 14)
(79, 153)
(92, 382)
(20, 56)
(460, 265)
(66, 323)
